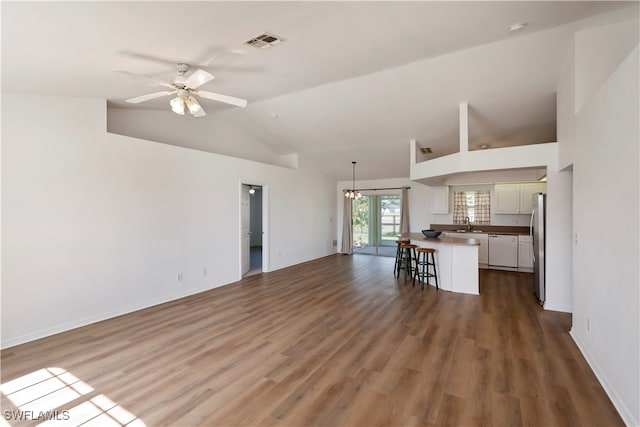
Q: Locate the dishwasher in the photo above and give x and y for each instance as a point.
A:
(503, 251)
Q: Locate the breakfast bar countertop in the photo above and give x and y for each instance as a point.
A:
(462, 240)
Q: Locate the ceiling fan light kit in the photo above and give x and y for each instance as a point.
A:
(194, 107)
(185, 87)
(177, 105)
(184, 99)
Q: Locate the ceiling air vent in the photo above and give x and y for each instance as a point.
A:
(264, 40)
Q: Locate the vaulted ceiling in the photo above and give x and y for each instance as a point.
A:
(352, 81)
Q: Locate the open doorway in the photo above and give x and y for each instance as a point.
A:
(251, 229)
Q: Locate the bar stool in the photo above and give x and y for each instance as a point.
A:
(407, 260)
(396, 266)
(425, 261)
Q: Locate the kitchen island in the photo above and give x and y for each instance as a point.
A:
(456, 261)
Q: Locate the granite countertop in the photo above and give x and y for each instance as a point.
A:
(487, 229)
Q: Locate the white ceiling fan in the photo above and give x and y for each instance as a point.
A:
(185, 88)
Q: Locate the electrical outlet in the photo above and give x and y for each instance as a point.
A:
(204, 271)
(576, 239)
(179, 277)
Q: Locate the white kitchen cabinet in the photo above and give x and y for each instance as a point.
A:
(507, 199)
(525, 253)
(483, 249)
(516, 198)
(440, 200)
(526, 193)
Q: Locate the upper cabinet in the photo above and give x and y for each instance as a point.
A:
(507, 199)
(440, 200)
(516, 198)
(526, 195)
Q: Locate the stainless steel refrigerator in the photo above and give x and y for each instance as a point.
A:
(537, 232)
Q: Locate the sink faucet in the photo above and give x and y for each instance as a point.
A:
(468, 222)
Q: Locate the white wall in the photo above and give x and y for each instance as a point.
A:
(558, 269)
(96, 224)
(606, 212)
(565, 111)
(598, 52)
(211, 133)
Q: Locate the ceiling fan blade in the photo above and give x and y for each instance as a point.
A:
(222, 98)
(214, 53)
(240, 69)
(198, 78)
(217, 58)
(146, 57)
(150, 96)
(147, 78)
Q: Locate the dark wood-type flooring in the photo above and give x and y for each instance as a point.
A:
(336, 342)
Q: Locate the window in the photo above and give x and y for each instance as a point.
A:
(470, 197)
(475, 205)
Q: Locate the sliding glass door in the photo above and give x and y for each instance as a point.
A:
(376, 224)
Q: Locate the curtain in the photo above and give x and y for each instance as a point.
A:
(404, 210)
(460, 211)
(347, 231)
(482, 209)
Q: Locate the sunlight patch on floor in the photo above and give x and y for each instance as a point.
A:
(41, 395)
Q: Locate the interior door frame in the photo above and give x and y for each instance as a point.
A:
(265, 224)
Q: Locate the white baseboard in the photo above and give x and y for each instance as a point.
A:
(43, 333)
(626, 415)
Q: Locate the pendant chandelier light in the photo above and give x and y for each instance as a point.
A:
(353, 193)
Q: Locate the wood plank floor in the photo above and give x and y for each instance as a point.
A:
(337, 341)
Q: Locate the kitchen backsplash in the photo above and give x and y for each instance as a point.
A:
(511, 220)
